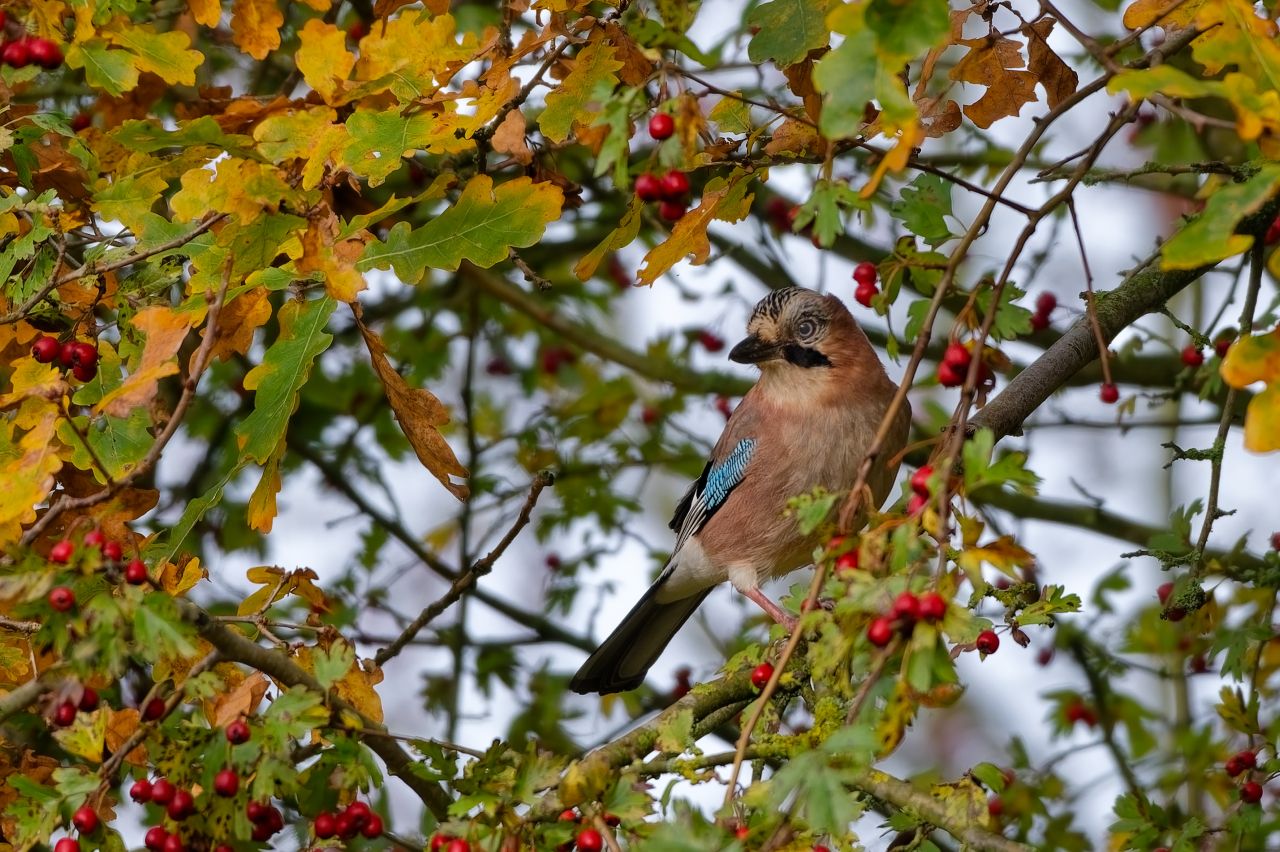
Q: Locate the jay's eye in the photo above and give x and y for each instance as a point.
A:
(806, 328)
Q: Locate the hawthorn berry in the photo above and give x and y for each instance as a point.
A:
(864, 294)
(45, 53)
(589, 840)
(62, 598)
(154, 710)
(661, 126)
(135, 573)
(672, 211)
(64, 714)
(226, 782)
(372, 828)
(995, 806)
(81, 121)
(61, 552)
(1222, 343)
(906, 609)
(155, 838)
(438, 842)
(1273, 230)
(847, 561)
(951, 376)
(1251, 792)
(1192, 356)
(1078, 711)
(675, 185)
(84, 372)
(933, 607)
(865, 274)
(724, 406)
(457, 845)
(1039, 322)
(1234, 766)
(257, 812)
(345, 826)
(359, 813)
(880, 631)
(85, 354)
(553, 562)
(358, 30)
(237, 732)
(648, 187)
(1109, 393)
(89, 699)
(1248, 759)
(568, 815)
(140, 792)
(112, 551)
(67, 354)
(987, 642)
(916, 504)
(85, 819)
(1045, 303)
(710, 341)
(920, 479)
(1275, 541)
(555, 357)
(45, 349)
(222, 847)
(173, 843)
(498, 366)
(162, 791)
(760, 675)
(67, 844)
(95, 538)
(16, 54)
(649, 415)
(957, 355)
(1163, 591)
(325, 826)
(181, 806)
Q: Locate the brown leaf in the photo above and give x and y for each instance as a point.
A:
(121, 725)
(636, 67)
(795, 137)
(420, 415)
(509, 138)
(938, 117)
(994, 62)
(165, 329)
(800, 82)
(1057, 77)
(241, 700)
(237, 321)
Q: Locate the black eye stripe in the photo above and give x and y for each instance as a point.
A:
(804, 356)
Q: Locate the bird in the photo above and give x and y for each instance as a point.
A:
(807, 422)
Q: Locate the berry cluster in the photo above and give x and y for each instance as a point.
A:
(28, 50)
(65, 712)
(909, 608)
(135, 571)
(672, 189)
(588, 839)
(81, 358)
(846, 559)
(178, 805)
(448, 843)
(1243, 763)
(864, 274)
(355, 818)
(919, 489)
(954, 367)
(1045, 303)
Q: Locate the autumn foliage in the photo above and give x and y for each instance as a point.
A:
(262, 258)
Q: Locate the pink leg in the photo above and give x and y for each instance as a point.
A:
(775, 612)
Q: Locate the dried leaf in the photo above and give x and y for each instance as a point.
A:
(241, 700)
(727, 200)
(165, 329)
(1057, 77)
(508, 138)
(995, 62)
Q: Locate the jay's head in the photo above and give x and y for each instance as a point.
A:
(797, 329)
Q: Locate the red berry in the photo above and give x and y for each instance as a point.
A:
(568, 815)
(555, 357)
(135, 573)
(84, 372)
(95, 538)
(89, 699)
(1275, 541)
(1163, 592)
(16, 54)
(661, 126)
(1045, 303)
(916, 504)
(1248, 759)
(988, 642)
(345, 826)
(81, 121)
(357, 30)
(154, 710)
(61, 552)
(498, 366)
(372, 828)
(237, 732)
(155, 838)
(648, 187)
(438, 841)
(1251, 792)
(1174, 614)
(906, 608)
(847, 562)
(222, 847)
(933, 607)
(1192, 356)
(112, 551)
(950, 376)
(1273, 230)
(589, 840)
(262, 832)
(880, 631)
(612, 820)
(1222, 343)
(995, 806)
(45, 349)
(62, 598)
(865, 274)
(724, 406)
(162, 791)
(710, 341)
(45, 53)
(1039, 322)
(672, 211)
(457, 845)
(864, 294)
(181, 806)
(257, 812)
(1109, 393)
(649, 415)
(86, 354)
(359, 813)
(760, 675)
(226, 782)
(553, 562)
(1233, 766)
(85, 819)
(957, 355)
(140, 792)
(326, 826)
(173, 843)
(675, 185)
(920, 479)
(67, 844)
(67, 354)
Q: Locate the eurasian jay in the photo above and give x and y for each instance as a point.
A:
(807, 422)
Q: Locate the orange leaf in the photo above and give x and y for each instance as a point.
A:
(727, 200)
(994, 62)
(420, 415)
(262, 503)
(324, 252)
(208, 13)
(239, 701)
(255, 26)
(165, 330)
(237, 321)
(179, 578)
(121, 724)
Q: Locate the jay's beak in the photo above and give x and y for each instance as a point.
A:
(753, 350)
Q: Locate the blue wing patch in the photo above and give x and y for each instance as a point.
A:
(710, 491)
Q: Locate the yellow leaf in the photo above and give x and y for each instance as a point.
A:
(241, 699)
(323, 251)
(255, 26)
(418, 72)
(242, 188)
(30, 378)
(276, 583)
(899, 711)
(293, 134)
(727, 200)
(1252, 358)
(620, 237)
(572, 102)
(122, 724)
(262, 503)
(86, 737)
(1144, 13)
(1262, 421)
(896, 160)
(1004, 554)
(323, 57)
(238, 321)
(420, 415)
(208, 13)
(28, 462)
(180, 577)
(165, 329)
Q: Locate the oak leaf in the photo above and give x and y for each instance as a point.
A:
(256, 26)
(724, 199)
(164, 329)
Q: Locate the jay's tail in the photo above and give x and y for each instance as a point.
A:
(622, 660)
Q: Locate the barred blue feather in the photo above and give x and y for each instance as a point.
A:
(710, 491)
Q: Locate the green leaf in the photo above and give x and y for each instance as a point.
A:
(1012, 320)
(923, 207)
(818, 792)
(1211, 236)
(381, 138)
(909, 29)
(675, 734)
(159, 631)
(812, 509)
(482, 228)
(113, 71)
(147, 136)
(577, 99)
(167, 55)
(281, 375)
(294, 713)
(788, 30)
(731, 115)
(129, 196)
(333, 663)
